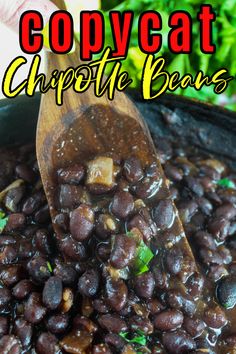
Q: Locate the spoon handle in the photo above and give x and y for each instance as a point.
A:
(60, 4)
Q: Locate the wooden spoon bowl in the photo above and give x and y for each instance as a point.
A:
(86, 126)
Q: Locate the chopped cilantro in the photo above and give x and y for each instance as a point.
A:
(226, 183)
(129, 234)
(2, 214)
(137, 339)
(49, 267)
(3, 221)
(144, 256)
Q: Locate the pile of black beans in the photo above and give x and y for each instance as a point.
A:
(84, 290)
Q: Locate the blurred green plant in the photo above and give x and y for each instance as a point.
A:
(224, 35)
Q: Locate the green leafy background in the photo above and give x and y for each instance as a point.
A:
(224, 35)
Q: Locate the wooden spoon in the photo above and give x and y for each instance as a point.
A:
(86, 126)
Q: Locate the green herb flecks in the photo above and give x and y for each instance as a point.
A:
(3, 221)
(49, 267)
(226, 183)
(143, 257)
(137, 339)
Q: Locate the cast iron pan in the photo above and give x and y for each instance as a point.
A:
(207, 127)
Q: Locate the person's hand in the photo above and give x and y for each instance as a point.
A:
(11, 10)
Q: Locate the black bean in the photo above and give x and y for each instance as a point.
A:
(72, 249)
(178, 342)
(57, 324)
(47, 343)
(116, 292)
(123, 251)
(195, 285)
(226, 292)
(214, 198)
(82, 222)
(225, 254)
(210, 257)
(139, 324)
(71, 175)
(209, 188)
(198, 220)
(215, 317)
(150, 184)
(164, 148)
(144, 285)
(204, 239)
(32, 203)
(232, 229)
(52, 293)
(164, 214)
(161, 278)
(155, 306)
(168, 320)
(38, 269)
(70, 196)
(65, 272)
(174, 261)
(85, 324)
(76, 342)
(210, 172)
(187, 210)
(34, 310)
(12, 275)
(22, 289)
(228, 195)
(13, 198)
(112, 323)
(26, 250)
(24, 331)
(89, 283)
(216, 272)
(26, 173)
(132, 169)
(15, 221)
(230, 340)
(232, 269)
(43, 242)
(42, 216)
(226, 211)
(122, 204)
(194, 326)
(205, 206)
(30, 231)
(194, 185)
(138, 222)
(181, 302)
(103, 251)
(105, 226)
(101, 349)
(173, 173)
(188, 268)
(5, 297)
(62, 220)
(4, 326)
(10, 345)
(7, 240)
(219, 228)
(115, 341)
(100, 306)
(8, 255)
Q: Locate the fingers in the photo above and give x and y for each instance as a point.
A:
(11, 10)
